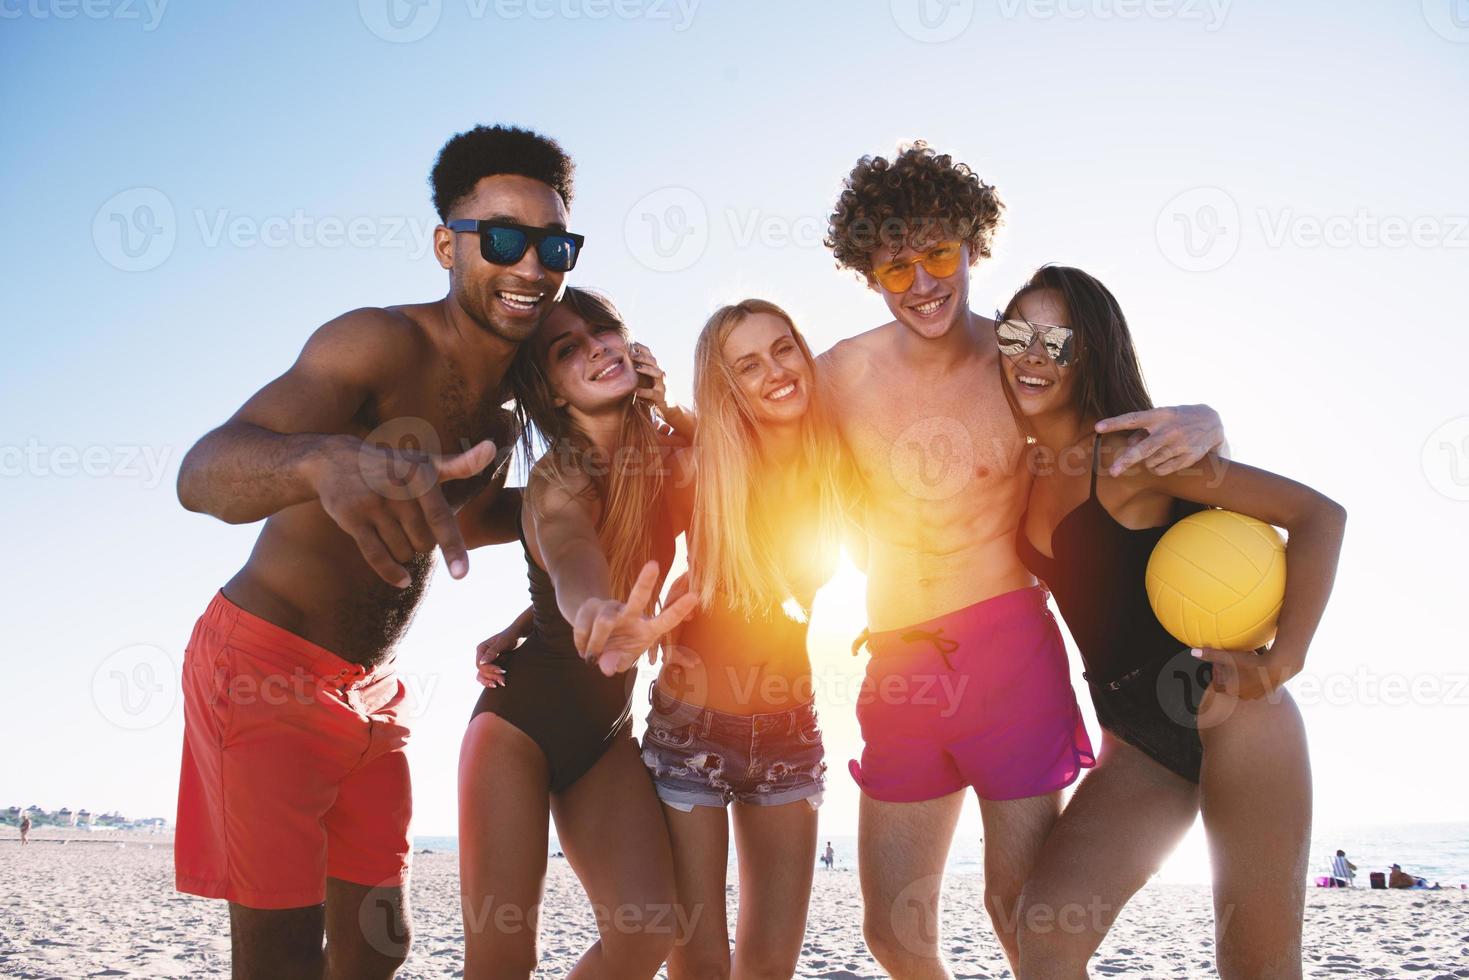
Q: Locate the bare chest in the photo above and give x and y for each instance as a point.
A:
(445, 413)
(947, 447)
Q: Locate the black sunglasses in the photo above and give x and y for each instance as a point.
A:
(505, 243)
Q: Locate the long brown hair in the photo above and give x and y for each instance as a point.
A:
(739, 550)
(1110, 381)
(629, 486)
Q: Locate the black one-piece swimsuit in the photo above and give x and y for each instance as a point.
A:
(1144, 683)
(572, 711)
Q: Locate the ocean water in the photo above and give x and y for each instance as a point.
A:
(1437, 852)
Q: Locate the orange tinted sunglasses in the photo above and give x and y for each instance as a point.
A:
(940, 261)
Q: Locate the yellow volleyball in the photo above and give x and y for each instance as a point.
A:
(1217, 579)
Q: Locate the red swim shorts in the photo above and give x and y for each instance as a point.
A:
(979, 697)
(293, 769)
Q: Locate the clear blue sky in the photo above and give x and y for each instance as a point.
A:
(1275, 191)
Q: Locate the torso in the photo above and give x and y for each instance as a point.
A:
(938, 460)
(759, 664)
(305, 574)
(1093, 562)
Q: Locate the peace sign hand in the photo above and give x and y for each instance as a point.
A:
(614, 634)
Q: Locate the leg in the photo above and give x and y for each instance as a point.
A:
(901, 849)
(776, 846)
(1124, 819)
(1256, 797)
(1014, 831)
(611, 826)
(277, 944)
(503, 815)
(700, 840)
(367, 932)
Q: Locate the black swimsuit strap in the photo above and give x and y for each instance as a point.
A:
(1096, 454)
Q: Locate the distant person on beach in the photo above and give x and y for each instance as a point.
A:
(967, 689)
(25, 828)
(1342, 870)
(1240, 758)
(829, 857)
(1398, 878)
(374, 449)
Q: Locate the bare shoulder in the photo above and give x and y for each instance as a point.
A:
(849, 361)
(371, 342)
(552, 494)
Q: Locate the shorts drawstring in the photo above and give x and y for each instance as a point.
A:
(943, 644)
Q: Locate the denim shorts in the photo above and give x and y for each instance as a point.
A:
(701, 757)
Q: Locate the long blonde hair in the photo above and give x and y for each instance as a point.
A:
(629, 486)
(735, 539)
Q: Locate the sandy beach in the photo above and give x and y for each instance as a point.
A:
(104, 905)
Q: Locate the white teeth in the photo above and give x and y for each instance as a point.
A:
(924, 309)
(783, 391)
(606, 371)
(1024, 379)
(523, 301)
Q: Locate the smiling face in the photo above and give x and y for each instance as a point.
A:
(509, 301)
(931, 306)
(588, 366)
(1040, 386)
(769, 368)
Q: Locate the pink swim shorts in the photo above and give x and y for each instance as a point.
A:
(978, 697)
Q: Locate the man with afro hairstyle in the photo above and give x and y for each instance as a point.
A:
(924, 416)
(376, 447)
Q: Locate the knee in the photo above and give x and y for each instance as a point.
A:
(895, 946)
(1247, 961)
(380, 955)
(1002, 902)
(637, 953)
(768, 966)
(698, 963)
(515, 961)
